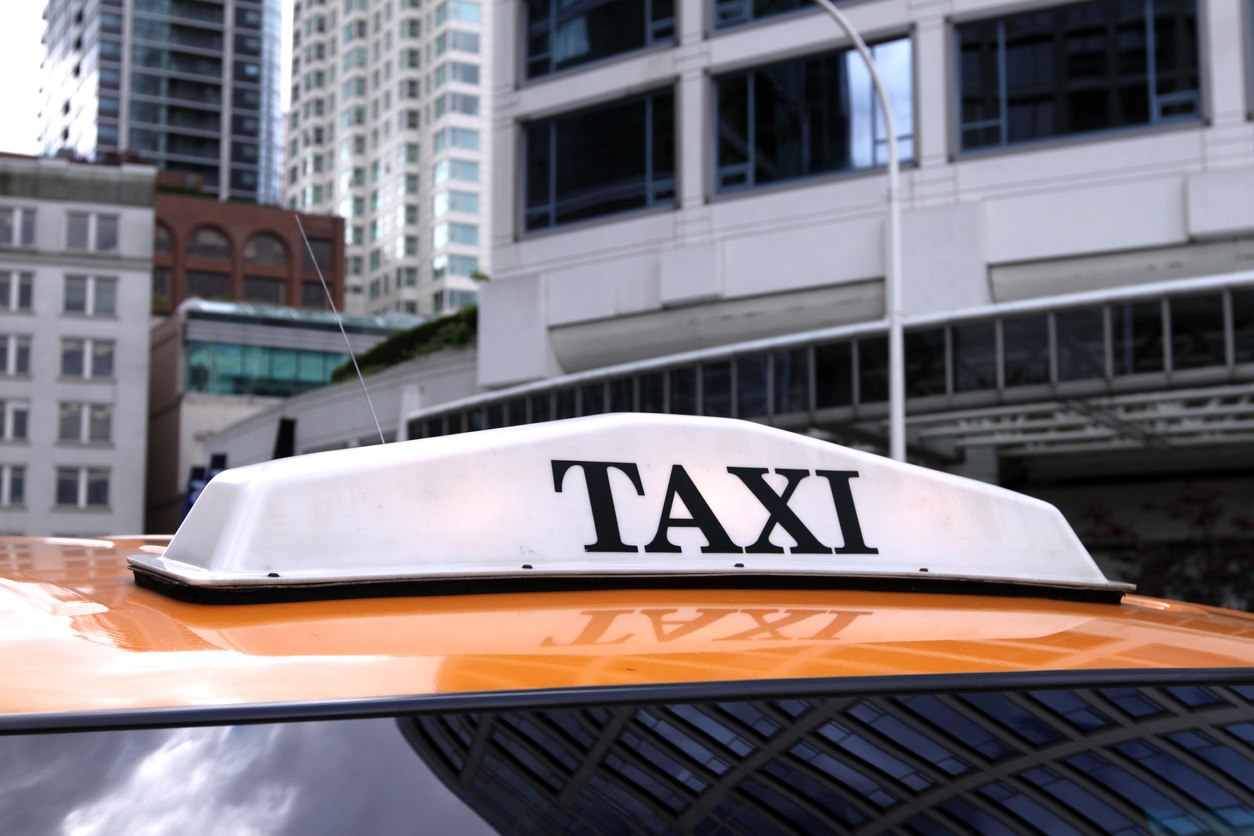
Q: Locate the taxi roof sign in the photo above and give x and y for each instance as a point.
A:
(621, 494)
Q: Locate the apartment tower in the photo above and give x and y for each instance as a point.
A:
(386, 129)
(187, 85)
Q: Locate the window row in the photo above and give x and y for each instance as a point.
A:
(80, 358)
(1064, 348)
(76, 487)
(229, 369)
(1078, 68)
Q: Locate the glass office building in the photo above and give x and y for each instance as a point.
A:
(187, 85)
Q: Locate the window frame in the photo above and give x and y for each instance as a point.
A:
(520, 168)
(842, 47)
(953, 86)
(523, 34)
(88, 359)
(83, 498)
(10, 408)
(91, 290)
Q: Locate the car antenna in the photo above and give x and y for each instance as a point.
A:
(340, 322)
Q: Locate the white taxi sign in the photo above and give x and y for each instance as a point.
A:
(622, 494)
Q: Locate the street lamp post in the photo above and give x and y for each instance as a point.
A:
(892, 249)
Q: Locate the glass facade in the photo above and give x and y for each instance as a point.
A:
(1078, 68)
(1176, 340)
(562, 35)
(810, 116)
(609, 159)
(227, 369)
(187, 102)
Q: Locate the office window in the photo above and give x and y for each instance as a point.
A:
(455, 201)
(91, 295)
(87, 358)
(17, 227)
(264, 248)
(457, 41)
(1197, 331)
(833, 375)
(16, 291)
(208, 242)
(562, 35)
(1025, 350)
(456, 71)
(1136, 330)
(84, 423)
(454, 265)
(14, 415)
(446, 170)
(601, 161)
(462, 10)
(457, 138)
(106, 233)
(13, 484)
(975, 356)
(82, 487)
(456, 103)
(205, 285)
(1081, 344)
(14, 354)
(810, 115)
(925, 363)
(77, 229)
(873, 370)
(1078, 68)
(751, 389)
(735, 12)
(444, 234)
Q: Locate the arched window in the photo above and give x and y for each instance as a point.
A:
(207, 242)
(264, 248)
(162, 240)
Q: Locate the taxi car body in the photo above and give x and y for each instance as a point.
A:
(622, 624)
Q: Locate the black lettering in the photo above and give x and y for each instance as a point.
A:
(681, 628)
(597, 476)
(781, 514)
(599, 621)
(702, 517)
(846, 513)
(772, 627)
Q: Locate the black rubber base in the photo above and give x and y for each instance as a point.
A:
(541, 583)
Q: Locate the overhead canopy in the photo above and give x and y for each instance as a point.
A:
(621, 494)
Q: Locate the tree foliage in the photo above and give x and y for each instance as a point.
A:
(453, 331)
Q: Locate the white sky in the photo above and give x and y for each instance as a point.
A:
(20, 54)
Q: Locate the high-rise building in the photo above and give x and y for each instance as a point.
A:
(387, 128)
(188, 85)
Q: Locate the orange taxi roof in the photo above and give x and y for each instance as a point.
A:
(77, 634)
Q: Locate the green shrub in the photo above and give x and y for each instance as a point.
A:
(452, 331)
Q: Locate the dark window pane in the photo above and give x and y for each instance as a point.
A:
(453, 422)
(1197, 331)
(732, 12)
(873, 370)
(975, 356)
(751, 386)
(474, 420)
(435, 427)
(67, 486)
(268, 291)
(208, 285)
(541, 408)
(683, 390)
(597, 162)
(791, 380)
(807, 116)
(1025, 345)
(517, 411)
(716, 390)
(566, 403)
(592, 399)
(833, 375)
(1077, 68)
(1136, 330)
(562, 35)
(1243, 324)
(621, 399)
(496, 416)
(652, 393)
(925, 363)
(1081, 337)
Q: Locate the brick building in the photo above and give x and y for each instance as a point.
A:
(243, 252)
